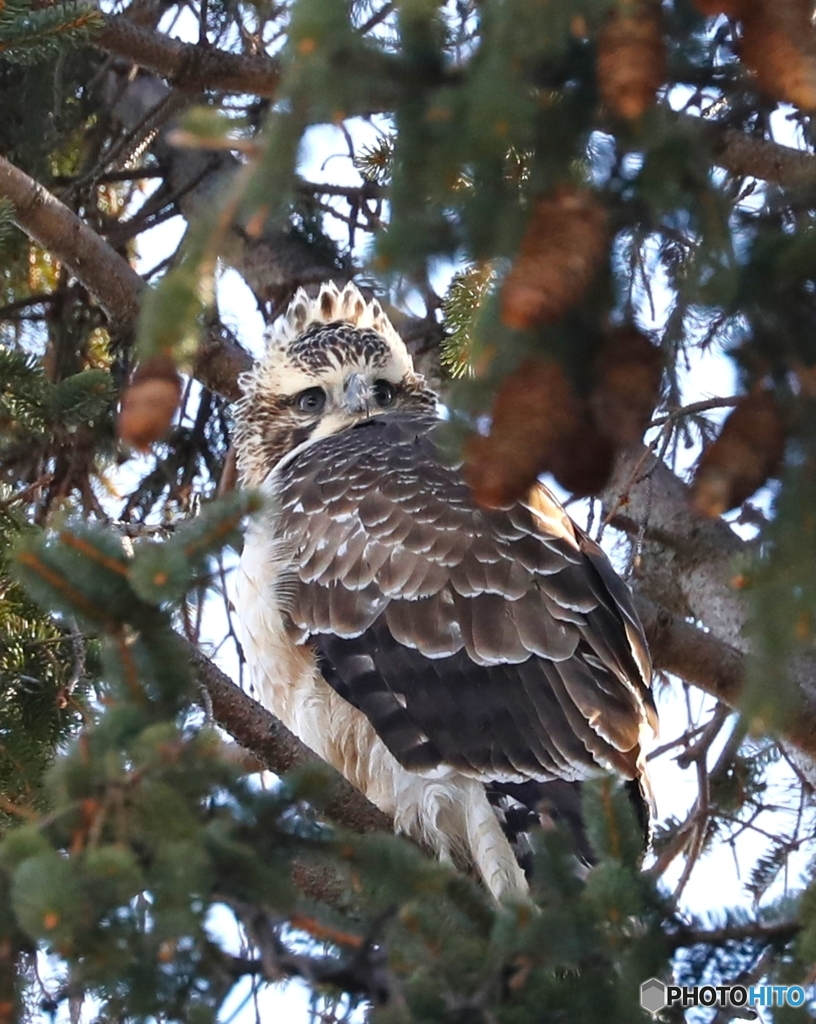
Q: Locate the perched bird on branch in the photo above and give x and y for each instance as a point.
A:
(464, 667)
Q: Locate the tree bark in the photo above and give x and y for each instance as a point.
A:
(687, 560)
(191, 68)
(110, 279)
(686, 572)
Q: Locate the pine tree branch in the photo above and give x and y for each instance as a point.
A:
(686, 573)
(746, 156)
(770, 933)
(276, 747)
(109, 278)
(696, 656)
(192, 68)
(189, 67)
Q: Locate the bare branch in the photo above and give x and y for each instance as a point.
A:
(746, 156)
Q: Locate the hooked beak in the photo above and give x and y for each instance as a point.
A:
(356, 395)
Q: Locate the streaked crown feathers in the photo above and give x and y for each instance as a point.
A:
(331, 305)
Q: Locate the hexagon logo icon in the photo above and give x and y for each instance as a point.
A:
(653, 995)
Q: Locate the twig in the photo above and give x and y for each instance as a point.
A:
(695, 407)
(27, 492)
(376, 18)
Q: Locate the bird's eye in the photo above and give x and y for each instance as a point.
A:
(384, 393)
(311, 400)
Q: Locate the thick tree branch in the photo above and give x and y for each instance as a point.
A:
(276, 747)
(698, 657)
(746, 156)
(687, 560)
(190, 68)
(108, 277)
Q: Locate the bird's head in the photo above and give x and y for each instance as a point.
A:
(329, 362)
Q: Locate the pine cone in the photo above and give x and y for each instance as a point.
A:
(564, 245)
(149, 402)
(629, 372)
(749, 449)
(631, 59)
(534, 413)
(583, 462)
(779, 46)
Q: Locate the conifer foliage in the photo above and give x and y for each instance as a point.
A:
(601, 182)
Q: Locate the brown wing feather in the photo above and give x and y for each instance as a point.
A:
(501, 643)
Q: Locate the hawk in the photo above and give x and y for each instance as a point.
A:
(464, 667)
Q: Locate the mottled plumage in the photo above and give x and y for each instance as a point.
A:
(462, 666)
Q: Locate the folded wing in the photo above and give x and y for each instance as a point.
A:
(497, 642)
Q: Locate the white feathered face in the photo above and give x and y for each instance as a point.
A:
(324, 380)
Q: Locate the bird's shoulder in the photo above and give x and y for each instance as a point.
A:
(400, 460)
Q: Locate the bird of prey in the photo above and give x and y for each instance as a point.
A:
(464, 667)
